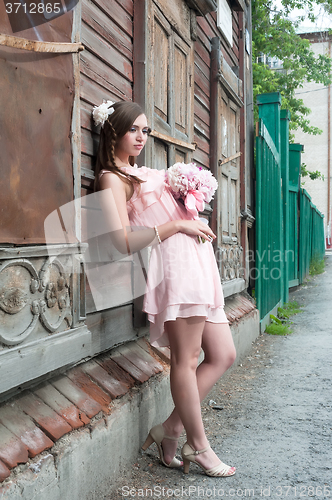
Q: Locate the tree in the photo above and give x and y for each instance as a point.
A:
(274, 35)
(313, 175)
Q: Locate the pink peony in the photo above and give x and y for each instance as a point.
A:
(194, 185)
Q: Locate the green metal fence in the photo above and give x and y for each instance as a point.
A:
(269, 234)
(312, 242)
(284, 165)
(289, 228)
(305, 234)
(292, 255)
(317, 242)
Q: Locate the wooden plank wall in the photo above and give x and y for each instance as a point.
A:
(206, 30)
(106, 73)
(106, 67)
(106, 70)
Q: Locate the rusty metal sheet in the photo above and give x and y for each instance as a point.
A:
(36, 95)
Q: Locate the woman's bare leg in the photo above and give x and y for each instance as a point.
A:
(219, 355)
(219, 350)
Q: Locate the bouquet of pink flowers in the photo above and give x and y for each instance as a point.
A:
(194, 185)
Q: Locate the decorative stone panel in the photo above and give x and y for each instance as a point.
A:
(230, 262)
(41, 311)
(28, 296)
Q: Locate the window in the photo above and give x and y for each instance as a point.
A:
(170, 91)
(229, 236)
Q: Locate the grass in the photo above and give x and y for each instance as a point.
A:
(280, 324)
(275, 329)
(288, 310)
(317, 266)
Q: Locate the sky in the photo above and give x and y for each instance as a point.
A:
(323, 21)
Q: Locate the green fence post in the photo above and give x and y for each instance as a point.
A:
(295, 151)
(269, 111)
(284, 165)
(305, 234)
(318, 238)
(269, 211)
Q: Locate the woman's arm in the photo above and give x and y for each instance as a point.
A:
(190, 227)
(114, 195)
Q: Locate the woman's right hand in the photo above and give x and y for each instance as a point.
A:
(196, 228)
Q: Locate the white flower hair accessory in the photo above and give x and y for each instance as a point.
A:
(102, 112)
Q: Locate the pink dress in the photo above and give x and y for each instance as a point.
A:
(183, 277)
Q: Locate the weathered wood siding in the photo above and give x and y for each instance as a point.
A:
(41, 299)
(106, 68)
(169, 90)
(174, 87)
(106, 73)
(206, 30)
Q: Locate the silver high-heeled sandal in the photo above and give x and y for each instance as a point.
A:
(156, 435)
(188, 455)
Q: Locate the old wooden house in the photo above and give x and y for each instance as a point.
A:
(188, 63)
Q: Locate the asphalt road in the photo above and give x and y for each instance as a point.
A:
(275, 423)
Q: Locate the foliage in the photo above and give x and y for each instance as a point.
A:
(313, 175)
(274, 35)
(317, 266)
(275, 329)
(289, 309)
(280, 324)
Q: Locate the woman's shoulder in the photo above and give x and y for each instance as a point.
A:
(108, 179)
(115, 176)
(111, 177)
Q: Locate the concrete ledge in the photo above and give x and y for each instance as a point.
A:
(244, 332)
(33, 421)
(85, 464)
(233, 286)
(267, 320)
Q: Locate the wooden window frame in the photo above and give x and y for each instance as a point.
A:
(231, 163)
(174, 139)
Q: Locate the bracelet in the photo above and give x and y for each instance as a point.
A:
(157, 234)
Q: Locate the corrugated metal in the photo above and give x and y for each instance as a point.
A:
(37, 93)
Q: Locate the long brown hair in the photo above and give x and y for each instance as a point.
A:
(114, 128)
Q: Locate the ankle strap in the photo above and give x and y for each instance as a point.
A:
(170, 437)
(198, 452)
(188, 450)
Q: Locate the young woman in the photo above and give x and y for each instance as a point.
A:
(185, 306)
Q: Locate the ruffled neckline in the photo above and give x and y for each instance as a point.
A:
(150, 190)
